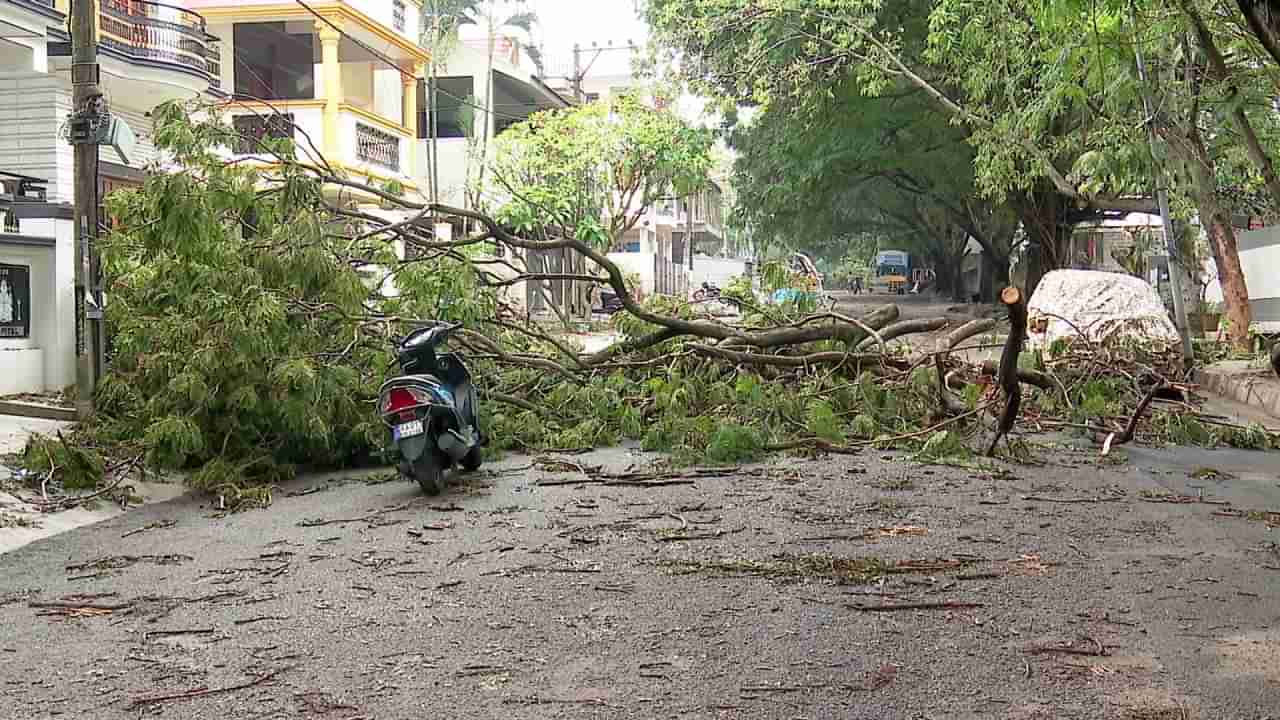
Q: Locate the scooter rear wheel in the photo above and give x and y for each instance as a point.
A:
(429, 474)
(471, 461)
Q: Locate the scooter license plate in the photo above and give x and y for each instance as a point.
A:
(408, 430)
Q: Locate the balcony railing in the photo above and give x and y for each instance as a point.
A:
(376, 147)
(163, 33)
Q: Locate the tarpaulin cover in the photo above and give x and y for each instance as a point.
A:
(1102, 306)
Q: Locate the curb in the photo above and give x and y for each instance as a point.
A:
(35, 410)
(1260, 391)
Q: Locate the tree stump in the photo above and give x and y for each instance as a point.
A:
(1012, 298)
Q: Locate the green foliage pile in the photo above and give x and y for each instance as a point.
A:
(74, 468)
(246, 341)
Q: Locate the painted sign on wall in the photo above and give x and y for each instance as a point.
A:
(15, 301)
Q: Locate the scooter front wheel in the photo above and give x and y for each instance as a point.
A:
(429, 474)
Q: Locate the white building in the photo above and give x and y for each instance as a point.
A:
(478, 99)
(148, 53)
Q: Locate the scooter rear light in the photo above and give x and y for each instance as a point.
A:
(399, 399)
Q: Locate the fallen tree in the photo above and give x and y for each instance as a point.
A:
(252, 324)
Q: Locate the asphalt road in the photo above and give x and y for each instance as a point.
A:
(1077, 589)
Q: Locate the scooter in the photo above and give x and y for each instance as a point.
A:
(706, 292)
(430, 410)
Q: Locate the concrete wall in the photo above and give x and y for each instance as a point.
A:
(382, 12)
(641, 264)
(33, 106)
(357, 83)
(24, 46)
(717, 271)
(1260, 258)
(453, 168)
(45, 361)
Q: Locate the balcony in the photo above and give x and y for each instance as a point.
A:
(151, 51)
(385, 24)
(159, 33)
(368, 145)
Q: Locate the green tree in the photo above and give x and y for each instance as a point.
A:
(815, 175)
(1046, 90)
(247, 340)
(591, 172)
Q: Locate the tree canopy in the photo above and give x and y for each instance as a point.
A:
(1046, 93)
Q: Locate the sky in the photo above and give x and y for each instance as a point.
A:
(561, 23)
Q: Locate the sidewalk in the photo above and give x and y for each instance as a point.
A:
(21, 522)
(1244, 382)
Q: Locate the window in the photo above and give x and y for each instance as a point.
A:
(273, 64)
(453, 114)
(397, 14)
(250, 129)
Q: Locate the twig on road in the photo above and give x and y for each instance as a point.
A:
(202, 691)
(158, 525)
(190, 631)
(1039, 498)
(363, 518)
(946, 605)
(251, 620)
(1099, 651)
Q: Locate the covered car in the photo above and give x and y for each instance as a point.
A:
(1100, 306)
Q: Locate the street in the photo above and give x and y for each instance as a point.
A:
(1139, 586)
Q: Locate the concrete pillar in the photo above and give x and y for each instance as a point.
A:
(409, 100)
(330, 40)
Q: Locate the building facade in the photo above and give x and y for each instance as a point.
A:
(148, 53)
(339, 77)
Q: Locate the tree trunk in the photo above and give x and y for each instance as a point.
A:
(1231, 276)
(995, 276)
(945, 284)
(1263, 17)
(1216, 220)
(1048, 236)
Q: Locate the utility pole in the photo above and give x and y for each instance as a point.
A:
(687, 260)
(577, 74)
(1162, 199)
(87, 115)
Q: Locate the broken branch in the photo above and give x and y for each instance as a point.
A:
(1012, 299)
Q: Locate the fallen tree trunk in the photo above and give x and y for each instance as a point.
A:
(1026, 376)
(905, 327)
(1131, 428)
(949, 404)
(1012, 298)
(818, 358)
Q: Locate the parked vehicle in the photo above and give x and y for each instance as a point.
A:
(610, 303)
(708, 291)
(892, 271)
(430, 409)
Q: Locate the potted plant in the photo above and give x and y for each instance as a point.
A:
(1207, 316)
